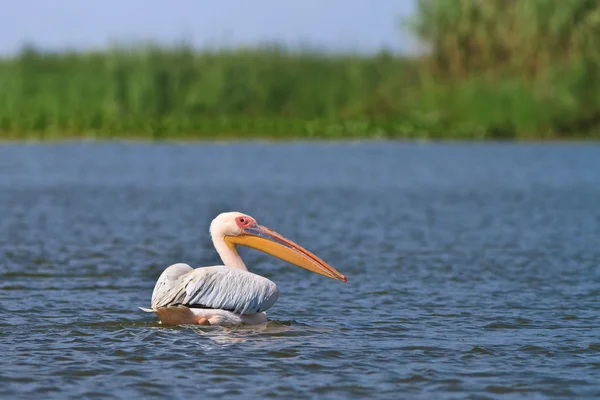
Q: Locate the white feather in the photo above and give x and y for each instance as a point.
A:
(217, 287)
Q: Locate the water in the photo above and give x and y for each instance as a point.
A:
(473, 270)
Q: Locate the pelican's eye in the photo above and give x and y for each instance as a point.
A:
(244, 222)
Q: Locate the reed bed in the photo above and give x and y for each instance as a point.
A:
(495, 69)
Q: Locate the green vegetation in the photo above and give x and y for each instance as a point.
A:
(164, 93)
(497, 69)
(517, 68)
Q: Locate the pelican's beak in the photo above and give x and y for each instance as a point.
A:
(260, 238)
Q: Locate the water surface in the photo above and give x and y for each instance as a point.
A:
(473, 270)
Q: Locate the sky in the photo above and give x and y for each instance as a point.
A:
(339, 25)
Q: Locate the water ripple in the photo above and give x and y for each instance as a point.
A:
(473, 270)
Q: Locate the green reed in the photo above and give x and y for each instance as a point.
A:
(177, 92)
(493, 36)
(497, 69)
(522, 68)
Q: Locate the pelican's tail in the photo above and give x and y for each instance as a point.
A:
(146, 309)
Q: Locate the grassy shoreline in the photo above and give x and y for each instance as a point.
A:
(232, 138)
(141, 139)
(495, 70)
(176, 93)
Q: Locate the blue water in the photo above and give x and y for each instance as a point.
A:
(473, 270)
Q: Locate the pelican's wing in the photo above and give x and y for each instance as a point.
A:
(167, 280)
(219, 287)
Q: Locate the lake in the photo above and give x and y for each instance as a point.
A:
(473, 270)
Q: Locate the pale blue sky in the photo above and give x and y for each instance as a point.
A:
(363, 25)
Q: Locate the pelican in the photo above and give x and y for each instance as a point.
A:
(228, 294)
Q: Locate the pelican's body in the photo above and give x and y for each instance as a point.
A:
(229, 294)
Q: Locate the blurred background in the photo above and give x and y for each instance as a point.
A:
(426, 69)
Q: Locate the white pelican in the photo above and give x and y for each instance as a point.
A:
(229, 294)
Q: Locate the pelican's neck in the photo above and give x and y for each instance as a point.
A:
(229, 255)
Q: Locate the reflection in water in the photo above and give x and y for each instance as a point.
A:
(272, 330)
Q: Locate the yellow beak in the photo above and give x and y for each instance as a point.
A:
(261, 238)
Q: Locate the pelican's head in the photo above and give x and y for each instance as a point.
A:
(240, 229)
